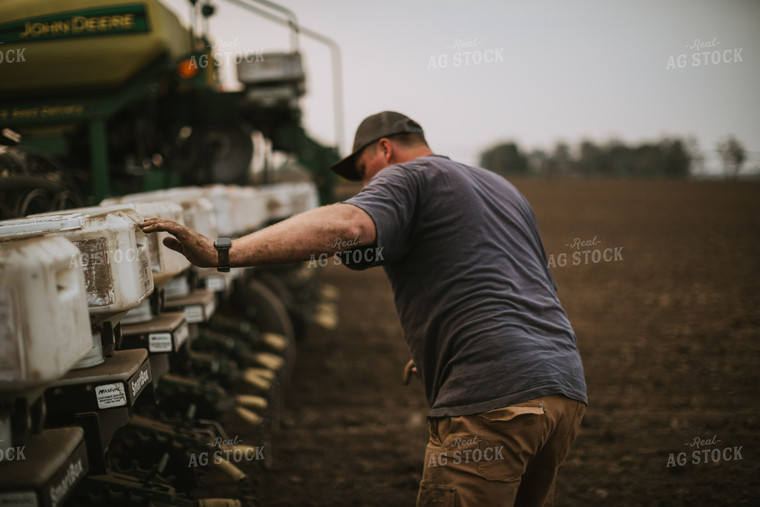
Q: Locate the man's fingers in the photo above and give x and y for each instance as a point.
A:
(160, 224)
(173, 244)
(409, 370)
(198, 249)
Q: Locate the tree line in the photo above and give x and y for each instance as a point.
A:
(671, 158)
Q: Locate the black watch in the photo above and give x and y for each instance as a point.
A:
(222, 246)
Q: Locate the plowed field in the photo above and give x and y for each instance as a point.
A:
(668, 323)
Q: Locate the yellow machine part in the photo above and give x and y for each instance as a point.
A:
(82, 45)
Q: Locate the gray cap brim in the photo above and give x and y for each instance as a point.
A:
(347, 167)
(371, 129)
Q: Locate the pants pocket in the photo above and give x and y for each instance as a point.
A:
(433, 495)
(511, 413)
(495, 463)
(517, 434)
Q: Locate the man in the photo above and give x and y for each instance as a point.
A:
(494, 349)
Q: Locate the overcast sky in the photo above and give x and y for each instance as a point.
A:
(536, 72)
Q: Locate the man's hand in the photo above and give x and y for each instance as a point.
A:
(198, 249)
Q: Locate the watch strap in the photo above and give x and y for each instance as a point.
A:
(222, 246)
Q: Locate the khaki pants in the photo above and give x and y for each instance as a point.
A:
(503, 457)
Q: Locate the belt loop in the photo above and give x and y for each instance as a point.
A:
(434, 427)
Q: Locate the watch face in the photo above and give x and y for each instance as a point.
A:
(223, 243)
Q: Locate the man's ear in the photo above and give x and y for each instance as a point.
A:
(387, 149)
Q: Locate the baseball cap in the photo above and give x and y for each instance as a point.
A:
(372, 128)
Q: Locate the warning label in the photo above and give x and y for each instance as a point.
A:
(160, 342)
(111, 395)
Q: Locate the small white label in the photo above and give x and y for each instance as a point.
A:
(111, 395)
(181, 334)
(20, 499)
(10, 364)
(147, 276)
(216, 283)
(194, 313)
(160, 342)
(210, 308)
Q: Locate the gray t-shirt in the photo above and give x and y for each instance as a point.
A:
(471, 284)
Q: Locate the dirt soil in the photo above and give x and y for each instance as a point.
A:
(669, 332)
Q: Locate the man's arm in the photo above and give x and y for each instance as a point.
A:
(327, 229)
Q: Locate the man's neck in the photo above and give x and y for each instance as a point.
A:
(411, 153)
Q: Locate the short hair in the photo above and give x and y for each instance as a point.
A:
(405, 139)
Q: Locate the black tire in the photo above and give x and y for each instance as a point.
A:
(32, 202)
(285, 294)
(266, 310)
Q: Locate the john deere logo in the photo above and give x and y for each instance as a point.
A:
(102, 21)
